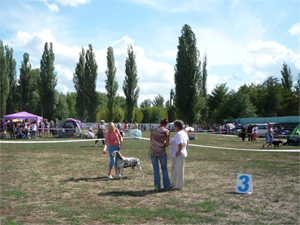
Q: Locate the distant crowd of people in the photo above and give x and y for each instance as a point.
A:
(252, 131)
(26, 129)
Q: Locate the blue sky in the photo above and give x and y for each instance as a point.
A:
(245, 40)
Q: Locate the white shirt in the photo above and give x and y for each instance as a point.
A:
(254, 130)
(33, 126)
(180, 138)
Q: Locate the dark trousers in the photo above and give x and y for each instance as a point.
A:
(289, 141)
(97, 142)
(243, 137)
(250, 138)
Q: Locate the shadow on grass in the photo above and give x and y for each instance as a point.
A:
(92, 179)
(131, 193)
(235, 193)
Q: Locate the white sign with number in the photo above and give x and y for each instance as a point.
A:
(244, 184)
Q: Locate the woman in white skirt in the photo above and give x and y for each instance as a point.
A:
(178, 152)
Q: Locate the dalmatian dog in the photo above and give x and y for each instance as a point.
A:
(124, 162)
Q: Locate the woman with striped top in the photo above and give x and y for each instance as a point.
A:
(159, 140)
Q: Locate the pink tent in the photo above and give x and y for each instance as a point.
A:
(23, 115)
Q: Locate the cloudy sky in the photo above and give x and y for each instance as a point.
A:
(245, 40)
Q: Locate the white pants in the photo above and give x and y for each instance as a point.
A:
(177, 171)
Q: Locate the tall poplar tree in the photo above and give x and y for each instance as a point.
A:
(79, 84)
(26, 83)
(3, 80)
(204, 89)
(12, 80)
(47, 82)
(188, 85)
(287, 79)
(130, 87)
(90, 73)
(111, 85)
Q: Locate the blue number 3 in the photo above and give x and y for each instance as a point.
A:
(245, 183)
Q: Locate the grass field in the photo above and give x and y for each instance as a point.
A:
(66, 183)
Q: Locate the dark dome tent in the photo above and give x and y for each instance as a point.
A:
(70, 128)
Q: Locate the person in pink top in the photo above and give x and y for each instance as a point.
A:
(126, 126)
(113, 140)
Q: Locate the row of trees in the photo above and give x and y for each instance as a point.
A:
(35, 90)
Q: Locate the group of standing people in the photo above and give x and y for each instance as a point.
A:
(23, 129)
(251, 131)
(159, 140)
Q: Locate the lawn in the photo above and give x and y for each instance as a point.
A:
(66, 183)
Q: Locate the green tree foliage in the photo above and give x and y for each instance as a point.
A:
(47, 82)
(188, 85)
(172, 116)
(172, 97)
(4, 70)
(120, 115)
(12, 80)
(102, 114)
(145, 103)
(121, 102)
(204, 89)
(62, 107)
(79, 83)
(90, 76)
(138, 115)
(167, 103)
(157, 113)
(218, 95)
(147, 111)
(273, 97)
(26, 83)
(158, 101)
(297, 86)
(291, 105)
(101, 107)
(34, 99)
(287, 79)
(130, 87)
(237, 105)
(71, 101)
(111, 85)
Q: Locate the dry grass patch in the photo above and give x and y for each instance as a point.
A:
(66, 183)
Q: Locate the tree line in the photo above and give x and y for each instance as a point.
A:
(35, 91)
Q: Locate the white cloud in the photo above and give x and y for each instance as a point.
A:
(230, 76)
(264, 59)
(295, 29)
(65, 73)
(169, 55)
(31, 43)
(212, 81)
(34, 44)
(62, 88)
(67, 2)
(53, 7)
(154, 77)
